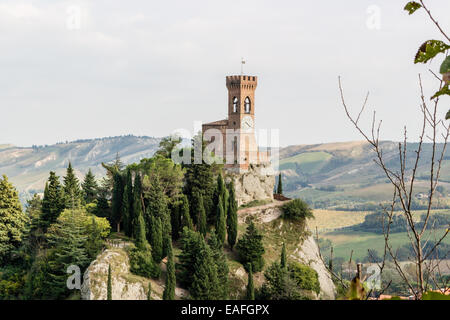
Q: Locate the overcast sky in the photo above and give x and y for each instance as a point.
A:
(84, 69)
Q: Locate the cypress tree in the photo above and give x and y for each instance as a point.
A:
(53, 202)
(250, 287)
(169, 290)
(199, 178)
(157, 208)
(175, 218)
(283, 260)
(137, 206)
(219, 197)
(156, 239)
(72, 191)
(190, 244)
(103, 207)
(280, 185)
(201, 214)
(221, 264)
(205, 284)
(221, 226)
(117, 200)
(251, 249)
(109, 289)
(232, 219)
(127, 205)
(90, 187)
(13, 220)
(140, 238)
(185, 215)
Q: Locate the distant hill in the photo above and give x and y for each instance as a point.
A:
(338, 174)
(28, 168)
(327, 175)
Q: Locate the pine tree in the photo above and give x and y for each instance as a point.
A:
(250, 287)
(127, 205)
(280, 185)
(12, 219)
(117, 199)
(109, 288)
(283, 260)
(221, 226)
(186, 217)
(72, 191)
(251, 249)
(53, 202)
(67, 238)
(200, 211)
(90, 187)
(169, 290)
(232, 219)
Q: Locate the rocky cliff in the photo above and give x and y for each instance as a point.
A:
(300, 245)
(255, 184)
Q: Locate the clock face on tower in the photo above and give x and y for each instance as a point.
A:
(247, 123)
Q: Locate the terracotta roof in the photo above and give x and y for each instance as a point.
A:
(217, 123)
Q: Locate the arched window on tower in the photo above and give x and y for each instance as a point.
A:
(235, 104)
(247, 105)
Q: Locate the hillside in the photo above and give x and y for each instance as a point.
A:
(28, 168)
(338, 174)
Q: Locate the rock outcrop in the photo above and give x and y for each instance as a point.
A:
(255, 184)
(125, 285)
(298, 238)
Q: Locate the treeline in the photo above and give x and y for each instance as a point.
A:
(374, 223)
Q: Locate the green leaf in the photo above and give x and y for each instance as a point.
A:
(429, 49)
(443, 91)
(445, 66)
(412, 6)
(447, 116)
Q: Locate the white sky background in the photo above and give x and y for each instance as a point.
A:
(150, 67)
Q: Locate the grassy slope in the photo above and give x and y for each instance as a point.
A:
(344, 241)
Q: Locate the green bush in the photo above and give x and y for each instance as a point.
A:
(296, 209)
(141, 263)
(305, 277)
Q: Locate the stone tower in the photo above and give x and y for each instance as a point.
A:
(240, 148)
(245, 165)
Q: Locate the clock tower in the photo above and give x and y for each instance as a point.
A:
(238, 131)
